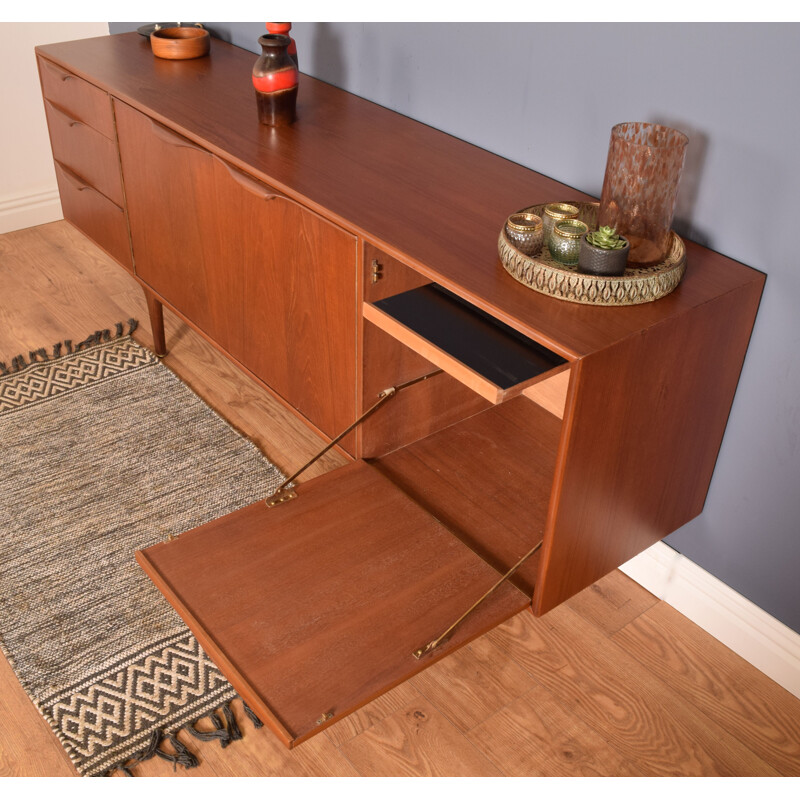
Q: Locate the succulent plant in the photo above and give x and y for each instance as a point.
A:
(606, 239)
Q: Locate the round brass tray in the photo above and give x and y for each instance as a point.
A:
(546, 275)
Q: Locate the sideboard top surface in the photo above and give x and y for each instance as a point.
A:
(434, 201)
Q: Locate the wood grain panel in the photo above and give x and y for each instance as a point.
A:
(724, 687)
(414, 412)
(344, 158)
(80, 99)
(95, 215)
(371, 714)
(57, 284)
(536, 737)
(85, 151)
(473, 683)
(269, 281)
(550, 393)
(612, 602)
(647, 722)
(316, 606)
(487, 479)
(419, 741)
(643, 429)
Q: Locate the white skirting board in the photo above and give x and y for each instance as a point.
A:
(739, 624)
(29, 210)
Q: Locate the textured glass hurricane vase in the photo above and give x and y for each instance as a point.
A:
(644, 167)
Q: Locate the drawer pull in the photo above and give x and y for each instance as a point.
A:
(58, 110)
(74, 179)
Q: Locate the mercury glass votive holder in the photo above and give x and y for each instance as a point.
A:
(565, 241)
(525, 232)
(553, 213)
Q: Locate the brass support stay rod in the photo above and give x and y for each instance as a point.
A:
(432, 645)
(383, 396)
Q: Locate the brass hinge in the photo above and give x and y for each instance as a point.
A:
(282, 496)
(377, 270)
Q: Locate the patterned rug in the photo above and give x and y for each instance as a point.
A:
(104, 452)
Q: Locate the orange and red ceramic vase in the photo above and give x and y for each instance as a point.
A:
(284, 28)
(275, 79)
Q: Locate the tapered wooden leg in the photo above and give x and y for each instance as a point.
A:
(156, 323)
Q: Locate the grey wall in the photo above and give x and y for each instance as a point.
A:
(546, 96)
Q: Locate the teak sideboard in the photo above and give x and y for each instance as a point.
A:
(348, 255)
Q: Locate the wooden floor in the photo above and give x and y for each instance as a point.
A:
(613, 683)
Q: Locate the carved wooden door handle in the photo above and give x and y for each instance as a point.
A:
(252, 185)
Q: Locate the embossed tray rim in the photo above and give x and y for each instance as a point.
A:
(546, 275)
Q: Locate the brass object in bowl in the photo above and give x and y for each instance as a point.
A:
(180, 43)
(526, 233)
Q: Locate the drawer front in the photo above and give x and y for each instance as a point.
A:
(79, 99)
(86, 152)
(94, 214)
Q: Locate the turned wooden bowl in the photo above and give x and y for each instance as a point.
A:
(177, 43)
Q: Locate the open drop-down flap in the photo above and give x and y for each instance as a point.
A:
(315, 607)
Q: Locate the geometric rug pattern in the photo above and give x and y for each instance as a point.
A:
(106, 452)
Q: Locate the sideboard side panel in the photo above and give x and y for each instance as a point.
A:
(643, 430)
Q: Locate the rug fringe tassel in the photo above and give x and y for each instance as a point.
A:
(18, 363)
(257, 723)
(225, 735)
(226, 730)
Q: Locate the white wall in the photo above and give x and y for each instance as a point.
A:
(28, 190)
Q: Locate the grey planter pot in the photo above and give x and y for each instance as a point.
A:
(596, 261)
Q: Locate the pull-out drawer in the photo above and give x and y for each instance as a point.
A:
(86, 152)
(79, 99)
(491, 358)
(95, 215)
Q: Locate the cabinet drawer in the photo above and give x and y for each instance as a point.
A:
(491, 358)
(79, 99)
(86, 152)
(93, 213)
